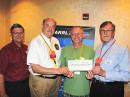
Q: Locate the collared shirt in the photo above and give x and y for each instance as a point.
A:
(13, 62)
(115, 62)
(38, 52)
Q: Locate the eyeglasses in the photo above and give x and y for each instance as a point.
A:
(17, 33)
(78, 34)
(103, 31)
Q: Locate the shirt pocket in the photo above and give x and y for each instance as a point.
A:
(108, 61)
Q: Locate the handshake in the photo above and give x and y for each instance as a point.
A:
(65, 71)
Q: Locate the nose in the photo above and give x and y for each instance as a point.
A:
(76, 35)
(105, 32)
(51, 28)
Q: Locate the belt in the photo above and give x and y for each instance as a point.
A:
(106, 83)
(17, 81)
(47, 77)
(69, 95)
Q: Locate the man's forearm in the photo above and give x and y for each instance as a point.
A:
(43, 70)
(2, 89)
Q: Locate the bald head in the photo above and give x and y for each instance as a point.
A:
(49, 26)
(77, 35)
(49, 19)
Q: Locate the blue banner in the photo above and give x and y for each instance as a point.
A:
(63, 34)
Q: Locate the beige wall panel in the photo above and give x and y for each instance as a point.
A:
(30, 14)
(4, 21)
(69, 12)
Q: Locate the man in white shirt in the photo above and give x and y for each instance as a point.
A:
(43, 60)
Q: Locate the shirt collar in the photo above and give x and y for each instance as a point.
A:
(109, 43)
(46, 39)
(15, 46)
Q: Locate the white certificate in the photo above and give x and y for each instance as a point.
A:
(80, 65)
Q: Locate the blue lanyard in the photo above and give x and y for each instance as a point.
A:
(106, 50)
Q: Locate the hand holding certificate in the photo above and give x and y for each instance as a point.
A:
(80, 65)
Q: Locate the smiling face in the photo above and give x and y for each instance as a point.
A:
(77, 35)
(107, 33)
(17, 35)
(49, 26)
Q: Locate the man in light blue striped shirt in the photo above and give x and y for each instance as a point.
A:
(112, 65)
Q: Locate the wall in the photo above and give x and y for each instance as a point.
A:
(66, 12)
(69, 12)
(4, 21)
